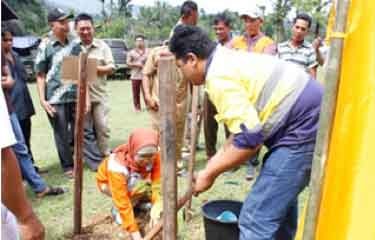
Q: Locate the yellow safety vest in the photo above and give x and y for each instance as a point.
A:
(240, 43)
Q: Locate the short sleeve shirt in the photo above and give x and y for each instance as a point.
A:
(135, 56)
(150, 69)
(303, 55)
(49, 60)
(100, 51)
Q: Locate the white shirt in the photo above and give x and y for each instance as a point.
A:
(7, 137)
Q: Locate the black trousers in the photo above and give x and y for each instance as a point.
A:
(63, 130)
(26, 131)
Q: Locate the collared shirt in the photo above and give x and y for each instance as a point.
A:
(100, 51)
(259, 102)
(150, 69)
(19, 94)
(137, 57)
(227, 43)
(49, 60)
(259, 44)
(303, 55)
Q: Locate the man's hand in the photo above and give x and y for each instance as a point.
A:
(136, 236)
(7, 82)
(152, 103)
(31, 228)
(48, 108)
(202, 182)
(317, 43)
(155, 213)
(88, 107)
(88, 101)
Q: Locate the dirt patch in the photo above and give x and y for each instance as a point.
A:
(102, 227)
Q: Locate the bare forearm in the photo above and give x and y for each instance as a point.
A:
(319, 58)
(146, 85)
(228, 157)
(15, 198)
(41, 85)
(105, 70)
(313, 72)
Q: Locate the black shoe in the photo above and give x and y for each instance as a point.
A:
(40, 171)
(254, 162)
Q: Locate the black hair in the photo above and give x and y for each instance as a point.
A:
(4, 31)
(303, 16)
(83, 17)
(188, 7)
(140, 36)
(190, 39)
(221, 17)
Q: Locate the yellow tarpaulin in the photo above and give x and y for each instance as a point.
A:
(347, 209)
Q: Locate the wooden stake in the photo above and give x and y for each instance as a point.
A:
(332, 79)
(167, 91)
(193, 144)
(78, 142)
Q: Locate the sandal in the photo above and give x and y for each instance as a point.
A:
(69, 174)
(50, 191)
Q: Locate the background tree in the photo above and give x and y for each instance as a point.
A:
(32, 15)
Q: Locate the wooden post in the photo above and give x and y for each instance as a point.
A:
(193, 144)
(332, 79)
(167, 92)
(78, 141)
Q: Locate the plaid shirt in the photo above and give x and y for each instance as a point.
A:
(49, 60)
(304, 55)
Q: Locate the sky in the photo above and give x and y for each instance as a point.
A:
(212, 6)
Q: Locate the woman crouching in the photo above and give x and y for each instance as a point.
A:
(131, 176)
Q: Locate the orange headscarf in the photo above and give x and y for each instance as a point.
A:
(138, 139)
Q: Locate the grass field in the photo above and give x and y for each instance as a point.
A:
(56, 213)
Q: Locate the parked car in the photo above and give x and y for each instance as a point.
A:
(26, 47)
(119, 51)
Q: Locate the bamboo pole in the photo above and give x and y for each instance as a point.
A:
(193, 143)
(167, 91)
(78, 141)
(328, 108)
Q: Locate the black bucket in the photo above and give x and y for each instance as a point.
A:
(216, 229)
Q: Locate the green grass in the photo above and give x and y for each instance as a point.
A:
(56, 213)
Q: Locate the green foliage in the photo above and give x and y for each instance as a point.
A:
(32, 15)
(113, 29)
(156, 23)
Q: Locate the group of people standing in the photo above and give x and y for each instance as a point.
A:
(250, 87)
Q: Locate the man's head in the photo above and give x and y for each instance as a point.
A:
(6, 41)
(191, 47)
(253, 20)
(189, 13)
(84, 25)
(222, 28)
(58, 21)
(301, 27)
(139, 41)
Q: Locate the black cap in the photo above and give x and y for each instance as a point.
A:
(58, 14)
